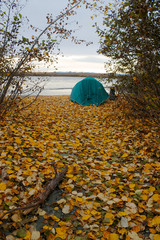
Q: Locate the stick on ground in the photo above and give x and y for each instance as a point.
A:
(44, 195)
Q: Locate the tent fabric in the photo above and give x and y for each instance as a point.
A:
(89, 92)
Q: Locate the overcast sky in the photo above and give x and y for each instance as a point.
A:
(76, 57)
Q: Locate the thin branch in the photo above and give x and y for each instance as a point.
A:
(28, 53)
(44, 195)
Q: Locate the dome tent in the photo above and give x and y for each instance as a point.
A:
(89, 92)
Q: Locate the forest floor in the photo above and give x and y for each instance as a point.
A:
(111, 189)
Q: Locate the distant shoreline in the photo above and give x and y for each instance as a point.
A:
(67, 74)
(70, 74)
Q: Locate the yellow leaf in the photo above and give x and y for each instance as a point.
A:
(156, 197)
(61, 232)
(86, 217)
(45, 227)
(16, 168)
(51, 237)
(15, 199)
(12, 176)
(94, 212)
(106, 234)
(128, 238)
(122, 231)
(147, 165)
(156, 237)
(61, 223)
(18, 140)
(143, 217)
(112, 190)
(131, 185)
(9, 148)
(3, 186)
(124, 155)
(109, 218)
(91, 235)
(121, 214)
(9, 171)
(144, 197)
(55, 218)
(80, 200)
(152, 230)
(113, 236)
(156, 220)
(70, 175)
(28, 235)
(152, 189)
(136, 229)
(79, 232)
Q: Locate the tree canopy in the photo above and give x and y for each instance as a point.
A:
(131, 37)
(18, 52)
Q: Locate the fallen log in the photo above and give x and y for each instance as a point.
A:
(44, 195)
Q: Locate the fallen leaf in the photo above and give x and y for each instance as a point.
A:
(66, 209)
(156, 237)
(134, 236)
(156, 220)
(22, 233)
(3, 186)
(35, 235)
(16, 218)
(124, 222)
(124, 155)
(113, 236)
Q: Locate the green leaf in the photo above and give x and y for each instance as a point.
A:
(106, 220)
(41, 175)
(15, 18)
(158, 81)
(25, 39)
(9, 204)
(20, 15)
(21, 233)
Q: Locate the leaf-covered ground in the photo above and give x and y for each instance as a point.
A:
(112, 187)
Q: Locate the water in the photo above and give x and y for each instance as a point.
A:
(58, 85)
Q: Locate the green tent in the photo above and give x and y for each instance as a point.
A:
(89, 92)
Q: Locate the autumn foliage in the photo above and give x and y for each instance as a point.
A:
(130, 37)
(111, 190)
(23, 46)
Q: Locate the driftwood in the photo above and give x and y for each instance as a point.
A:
(44, 195)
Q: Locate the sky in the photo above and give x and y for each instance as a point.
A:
(77, 58)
